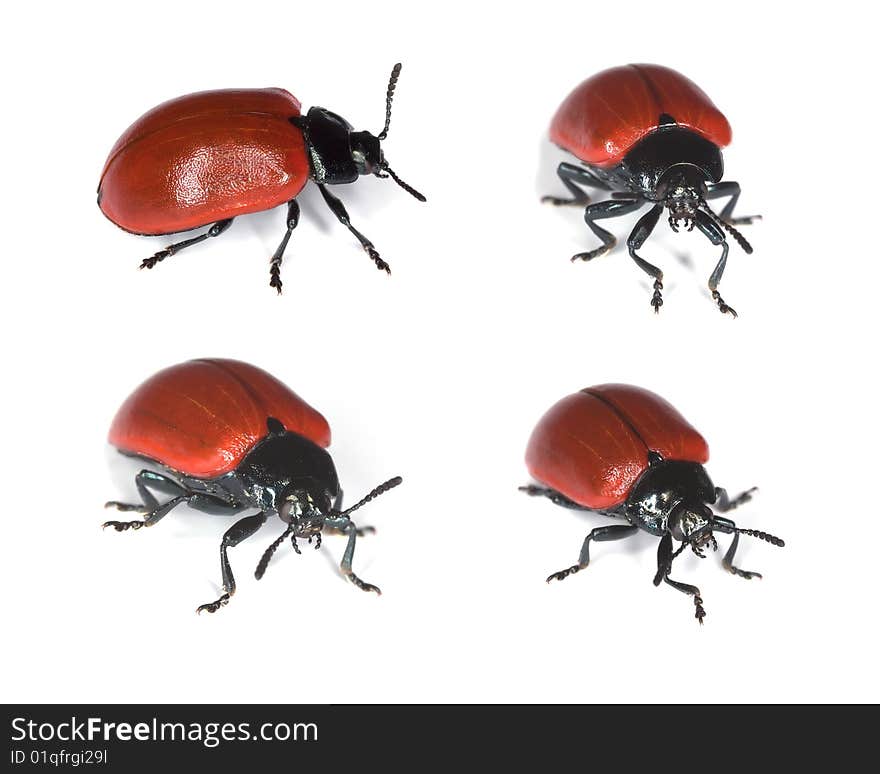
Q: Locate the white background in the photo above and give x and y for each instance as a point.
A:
(439, 372)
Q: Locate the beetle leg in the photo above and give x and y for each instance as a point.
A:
(346, 526)
(338, 209)
(241, 530)
(731, 189)
(573, 177)
(218, 228)
(723, 503)
(727, 561)
(610, 208)
(153, 517)
(143, 480)
(637, 238)
(716, 236)
(599, 534)
(275, 262)
(554, 496)
(664, 566)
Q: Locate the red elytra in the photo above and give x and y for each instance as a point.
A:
(593, 445)
(203, 416)
(604, 117)
(205, 157)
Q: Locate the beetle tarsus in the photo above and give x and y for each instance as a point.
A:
(657, 298)
(149, 263)
(725, 309)
(699, 613)
(121, 526)
(275, 276)
(559, 201)
(563, 574)
(591, 254)
(747, 574)
(363, 585)
(377, 259)
(213, 607)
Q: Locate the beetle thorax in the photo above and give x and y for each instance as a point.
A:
(670, 496)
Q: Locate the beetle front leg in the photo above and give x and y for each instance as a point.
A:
(348, 527)
(573, 177)
(716, 236)
(218, 228)
(611, 208)
(275, 262)
(637, 238)
(721, 524)
(241, 530)
(599, 534)
(731, 189)
(338, 209)
(664, 567)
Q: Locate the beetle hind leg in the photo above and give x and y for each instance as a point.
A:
(573, 177)
(218, 228)
(149, 505)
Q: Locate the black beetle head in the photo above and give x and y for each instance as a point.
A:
(339, 155)
(304, 511)
(366, 153)
(684, 186)
(692, 523)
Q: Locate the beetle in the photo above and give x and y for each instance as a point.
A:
(227, 437)
(206, 158)
(648, 135)
(624, 452)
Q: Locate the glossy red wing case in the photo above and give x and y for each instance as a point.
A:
(593, 445)
(604, 117)
(203, 416)
(205, 157)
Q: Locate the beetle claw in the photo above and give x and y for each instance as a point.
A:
(363, 585)
(213, 607)
(121, 526)
(149, 263)
(563, 574)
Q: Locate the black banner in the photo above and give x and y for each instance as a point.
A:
(122, 737)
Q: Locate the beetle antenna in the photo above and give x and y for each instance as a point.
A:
(405, 186)
(381, 489)
(264, 561)
(762, 535)
(389, 96)
(681, 548)
(740, 239)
